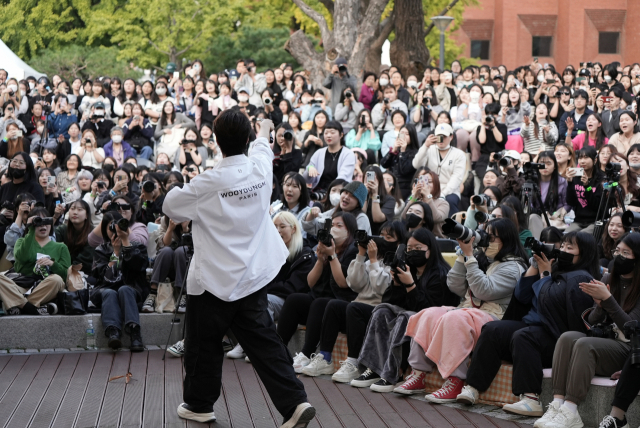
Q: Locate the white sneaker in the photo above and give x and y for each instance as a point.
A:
(303, 414)
(565, 418)
(149, 304)
(185, 412)
(346, 373)
(318, 366)
(552, 411)
(246, 359)
(526, 407)
(236, 353)
(177, 349)
(469, 395)
(300, 361)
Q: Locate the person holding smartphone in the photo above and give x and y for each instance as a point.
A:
(60, 118)
(89, 152)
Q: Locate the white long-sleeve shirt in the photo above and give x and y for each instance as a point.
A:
(237, 249)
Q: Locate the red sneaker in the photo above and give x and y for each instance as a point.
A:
(413, 384)
(448, 393)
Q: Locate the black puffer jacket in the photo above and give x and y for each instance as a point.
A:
(292, 277)
(131, 269)
(431, 290)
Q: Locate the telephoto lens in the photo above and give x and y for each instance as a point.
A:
(455, 230)
(287, 135)
(148, 186)
(537, 247)
(482, 217)
(348, 94)
(481, 199)
(631, 219)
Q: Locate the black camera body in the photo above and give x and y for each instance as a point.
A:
(363, 122)
(488, 120)
(123, 224)
(342, 68)
(454, 230)
(186, 240)
(385, 100)
(603, 331)
(539, 248)
(42, 221)
(481, 200)
(8, 205)
(612, 171)
(324, 234)
(287, 135)
(149, 186)
(362, 238)
(530, 166)
(426, 101)
(348, 94)
(102, 184)
(632, 332)
(397, 260)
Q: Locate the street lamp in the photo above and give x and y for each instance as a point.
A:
(441, 23)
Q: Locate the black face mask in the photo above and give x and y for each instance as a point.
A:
(108, 167)
(565, 261)
(623, 266)
(416, 258)
(17, 173)
(412, 221)
(385, 247)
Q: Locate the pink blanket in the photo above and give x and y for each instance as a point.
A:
(447, 335)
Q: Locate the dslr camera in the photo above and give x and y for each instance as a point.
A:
(123, 225)
(481, 200)
(629, 219)
(149, 186)
(324, 234)
(287, 135)
(8, 205)
(317, 196)
(186, 240)
(612, 171)
(363, 122)
(426, 101)
(342, 68)
(42, 221)
(397, 260)
(539, 248)
(362, 238)
(603, 331)
(530, 166)
(455, 230)
(632, 332)
(481, 217)
(348, 94)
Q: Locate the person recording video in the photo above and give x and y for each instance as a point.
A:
(235, 243)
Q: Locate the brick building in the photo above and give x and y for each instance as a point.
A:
(559, 32)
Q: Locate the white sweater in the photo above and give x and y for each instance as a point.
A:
(451, 170)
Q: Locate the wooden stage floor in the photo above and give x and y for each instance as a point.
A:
(73, 390)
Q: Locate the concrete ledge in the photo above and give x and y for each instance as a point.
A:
(59, 331)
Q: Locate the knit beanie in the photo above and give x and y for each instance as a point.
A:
(358, 190)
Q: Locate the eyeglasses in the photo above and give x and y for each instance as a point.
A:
(625, 254)
(122, 207)
(16, 162)
(565, 93)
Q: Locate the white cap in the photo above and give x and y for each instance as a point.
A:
(444, 129)
(512, 154)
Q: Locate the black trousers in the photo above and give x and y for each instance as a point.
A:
(302, 308)
(208, 319)
(628, 386)
(346, 317)
(529, 348)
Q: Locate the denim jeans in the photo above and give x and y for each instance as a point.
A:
(146, 152)
(113, 303)
(274, 306)
(453, 200)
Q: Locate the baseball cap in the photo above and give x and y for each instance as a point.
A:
(243, 89)
(98, 105)
(584, 72)
(512, 154)
(444, 129)
(171, 67)
(233, 74)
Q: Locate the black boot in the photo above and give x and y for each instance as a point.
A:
(136, 338)
(114, 337)
(29, 309)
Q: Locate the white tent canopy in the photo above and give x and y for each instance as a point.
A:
(16, 67)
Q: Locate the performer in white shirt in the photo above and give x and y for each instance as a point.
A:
(237, 252)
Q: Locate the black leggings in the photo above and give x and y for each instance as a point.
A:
(628, 386)
(301, 308)
(350, 318)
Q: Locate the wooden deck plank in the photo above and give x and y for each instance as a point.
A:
(114, 394)
(153, 414)
(478, 420)
(72, 399)
(19, 386)
(10, 371)
(361, 406)
(238, 411)
(34, 394)
(94, 394)
(255, 398)
(502, 423)
(4, 360)
(339, 405)
(454, 417)
(48, 407)
(172, 391)
(324, 414)
(403, 408)
(429, 414)
(134, 391)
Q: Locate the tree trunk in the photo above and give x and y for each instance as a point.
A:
(302, 49)
(373, 61)
(408, 50)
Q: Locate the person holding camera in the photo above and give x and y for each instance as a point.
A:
(120, 267)
(348, 109)
(13, 140)
(97, 121)
(338, 80)
(399, 158)
(584, 192)
(38, 258)
(126, 208)
(138, 130)
(288, 158)
(546, 303)
(602, 351)
(61, 118)
(270, 106)
(90, 154)
(382, 113)
(425, 113)
(151, 198)
(492, 137)
(16, 230)
(191, 150)
(379, 205)
(485, 281)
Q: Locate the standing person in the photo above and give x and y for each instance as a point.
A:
(248, 255)
(338, 81)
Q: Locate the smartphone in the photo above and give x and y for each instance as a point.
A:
(607, 99)
(551, 81)
(571, 101)
(176, 75)
(579, 172)
(371, 176)
(51, 181)
(63, 103)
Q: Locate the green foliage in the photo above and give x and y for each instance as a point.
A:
(263, 45)
(452, 50)
(84, 62)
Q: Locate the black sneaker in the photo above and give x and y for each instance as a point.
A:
(149, 304)
(366, 379)
(136, 339)
(383, 386)
(611, 422)
(114, 337)
(14, 311)
(182, 305)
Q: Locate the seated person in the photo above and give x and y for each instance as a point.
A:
(124, 206)
(120, 269)
(382, 112)
(22, 206)
(50, 269)
(75, 235)
(331, 162)
(150, 207)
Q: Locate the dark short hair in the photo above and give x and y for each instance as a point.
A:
(232, 129)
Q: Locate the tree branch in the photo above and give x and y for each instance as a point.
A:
(387, 25)
(328, 4)
(443, 12)
(190, 46)
(158, 48)
(317, 17)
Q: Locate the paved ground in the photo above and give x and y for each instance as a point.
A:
(73, 390)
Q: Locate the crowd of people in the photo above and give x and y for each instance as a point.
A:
(365, 183)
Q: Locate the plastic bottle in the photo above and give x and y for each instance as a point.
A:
(91, 336)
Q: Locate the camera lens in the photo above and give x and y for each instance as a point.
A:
(288, 135)
(148, 186)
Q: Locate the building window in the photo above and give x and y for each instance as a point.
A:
(541, 46)
(608, 43)
(480, 49)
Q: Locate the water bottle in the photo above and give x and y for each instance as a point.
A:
(91, 336)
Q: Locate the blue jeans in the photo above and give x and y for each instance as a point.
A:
(112, 303)
(453, 200)
(146, 152)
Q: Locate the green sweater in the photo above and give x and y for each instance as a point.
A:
(27, 248)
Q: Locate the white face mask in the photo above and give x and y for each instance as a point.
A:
(339, 235)
(14, 88)
(412, 83)
(117, 138)
(334, 198)
(161, 91)
(31, 85)
(607, 79)
(492, 250)
(540, 78)
(40, 129)
(243, 98)
(474, 96)
(384, 82)
(23, 93)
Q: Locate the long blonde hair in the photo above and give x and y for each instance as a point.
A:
(295, 244)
